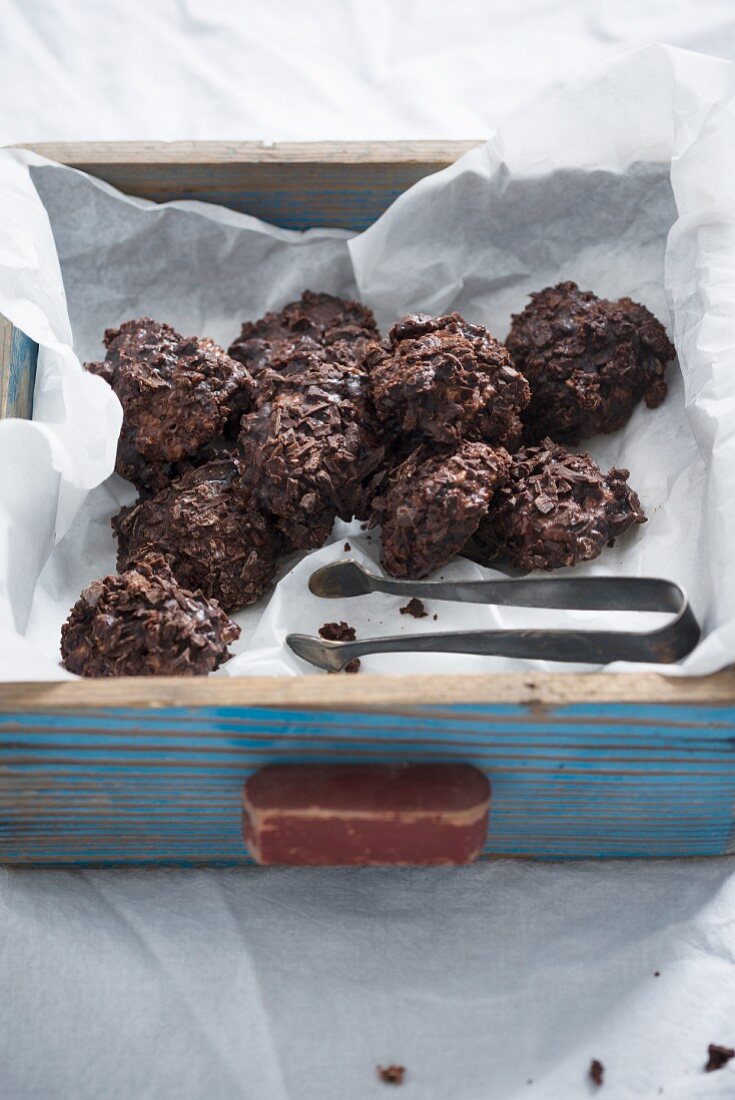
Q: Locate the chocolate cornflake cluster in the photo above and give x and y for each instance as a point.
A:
(445, 380)
(588, 362)
(341, 329)
(310, 417)
(178, 396)
(143, 623)
(556, 509)
(209, 531)
(309, 448)
(434, 503)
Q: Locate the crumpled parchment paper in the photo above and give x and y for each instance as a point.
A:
(620, 181)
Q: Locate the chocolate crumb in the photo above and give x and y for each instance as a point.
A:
(596, 1071)
(415, 608)
(347, 546)
(435, 617)
(657, 973)
(353, 665)
(391, 1075)
(719, 1056)
(337, 632)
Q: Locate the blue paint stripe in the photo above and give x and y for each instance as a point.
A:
(613, 716)
(664, 715)
(615, 779)
(106, 727)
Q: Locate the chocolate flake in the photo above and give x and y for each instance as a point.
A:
(719, 1056)
(391, 1075)
(415, 607)
(596, 1071)
(337, 632)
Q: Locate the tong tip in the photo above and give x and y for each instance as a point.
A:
(322, 654)
(340, 579)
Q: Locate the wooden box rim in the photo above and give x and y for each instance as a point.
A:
(85, 154)
(346, 692)
(372, 692)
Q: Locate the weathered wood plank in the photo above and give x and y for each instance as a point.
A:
(185, 153)
(18, 357)
(295, 185)
(408, 693)
(135, 785)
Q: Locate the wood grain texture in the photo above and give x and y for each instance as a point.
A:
(18, 358)
(606, 780)
(374, 692)
(344, 185)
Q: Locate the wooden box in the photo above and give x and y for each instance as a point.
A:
(152, 770)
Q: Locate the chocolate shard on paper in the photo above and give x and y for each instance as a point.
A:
(366, 814)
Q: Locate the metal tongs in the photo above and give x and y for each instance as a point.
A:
(664, 645)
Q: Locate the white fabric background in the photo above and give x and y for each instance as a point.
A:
(295, 984)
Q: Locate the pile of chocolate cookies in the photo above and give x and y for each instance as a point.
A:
(451, 441)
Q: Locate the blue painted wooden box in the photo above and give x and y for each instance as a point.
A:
(152, 771)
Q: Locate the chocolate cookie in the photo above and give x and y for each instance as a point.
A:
(142, 623)
(341, 328)
(178, 394)
(434, 503)
(588, 362)
(556, 509)
(150, 475)
(309, 450)
(209, 532)
(447, 380)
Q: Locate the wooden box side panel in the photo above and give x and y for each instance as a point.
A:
(18, 358)
(606, 780)
(345, 185)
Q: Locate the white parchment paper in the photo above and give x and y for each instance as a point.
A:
(621, 181)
